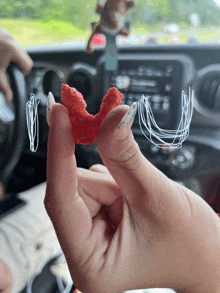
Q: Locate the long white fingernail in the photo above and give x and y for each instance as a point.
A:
(50, 103)
(126, 122)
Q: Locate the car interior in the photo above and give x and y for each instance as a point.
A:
(160, 71)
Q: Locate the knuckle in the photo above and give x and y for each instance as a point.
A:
(51, 208)
(50, 204)
(3, 31)
(6, 39)
(129, 157)
(9, 37)
(6, 34)
(95, 166)
(98, 167)
(47, 204)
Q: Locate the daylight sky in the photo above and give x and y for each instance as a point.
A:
(217, 2)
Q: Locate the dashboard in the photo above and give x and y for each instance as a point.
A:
(159, 71)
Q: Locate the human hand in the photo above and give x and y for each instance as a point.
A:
(11, 51)
(127, 226)
(5, 278)
(2, 191)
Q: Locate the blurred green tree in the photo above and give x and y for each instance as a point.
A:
(82, 13)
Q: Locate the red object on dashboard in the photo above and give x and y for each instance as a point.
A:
(218, 214)
(98, 40)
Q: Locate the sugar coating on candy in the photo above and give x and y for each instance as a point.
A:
(85, 127)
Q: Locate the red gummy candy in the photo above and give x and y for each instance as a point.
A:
(85, 127)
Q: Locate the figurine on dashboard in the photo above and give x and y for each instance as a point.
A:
(112, 19)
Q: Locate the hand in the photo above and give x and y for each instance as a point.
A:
(5, 279)
(127, 226)
(11, 51)
(2, 191)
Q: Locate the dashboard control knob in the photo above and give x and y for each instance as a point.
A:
(183, 158)
(154, 149)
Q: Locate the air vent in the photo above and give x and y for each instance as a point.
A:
(82, 78)
(207, 91)
(81, 82)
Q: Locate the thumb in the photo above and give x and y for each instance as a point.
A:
(135, 175)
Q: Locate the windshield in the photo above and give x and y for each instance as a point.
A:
(38, 22)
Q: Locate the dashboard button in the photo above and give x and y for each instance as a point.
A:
(154, 149)
(166, 99)
(170, 68)
(183, 158)
(158, 73)
(165, 106)
(149, 72)
(122, 82)
(168, 87)
(156, 106)
(132, 72)
(169, 71)
(156, 98)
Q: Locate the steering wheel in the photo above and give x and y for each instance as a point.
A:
(12, 123)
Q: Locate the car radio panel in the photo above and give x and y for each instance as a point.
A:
(160, 77)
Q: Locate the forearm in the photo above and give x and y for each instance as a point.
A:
(5, 278)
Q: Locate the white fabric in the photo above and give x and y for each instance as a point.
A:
(27, 238)
(156, 290)
(113, 31)
(120, 19)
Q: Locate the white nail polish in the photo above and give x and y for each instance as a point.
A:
(50, 103)
(126, 122)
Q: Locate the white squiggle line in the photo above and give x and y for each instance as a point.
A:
(32, 121)
(178, 136)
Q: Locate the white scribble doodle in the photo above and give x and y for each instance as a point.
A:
(174, 138)
(32, 121)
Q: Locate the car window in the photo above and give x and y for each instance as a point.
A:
(36, 22)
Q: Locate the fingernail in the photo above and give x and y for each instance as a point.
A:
(126, 122)
(50, 103)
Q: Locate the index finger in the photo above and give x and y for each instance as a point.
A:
(22, 59)
(69, 214)
(61, 162)
(18, 55)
